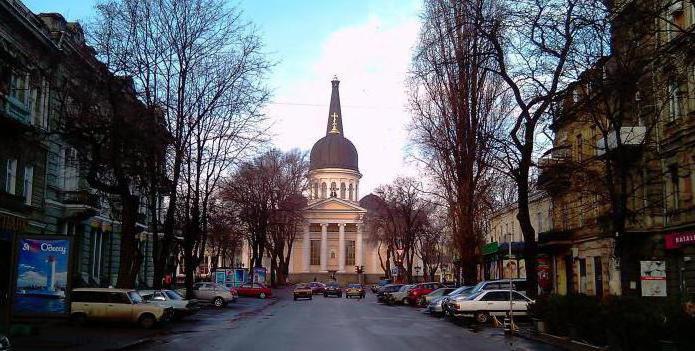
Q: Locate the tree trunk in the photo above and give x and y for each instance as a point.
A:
(530, 245)
(131, 257)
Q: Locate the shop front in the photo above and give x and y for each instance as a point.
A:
(680, 249)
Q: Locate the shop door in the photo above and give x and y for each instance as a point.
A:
(598, 276)
(5, 274)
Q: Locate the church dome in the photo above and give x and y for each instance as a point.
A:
(333, 151)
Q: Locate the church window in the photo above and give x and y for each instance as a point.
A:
(332, 254)
(315, 252)
(334, 190)
(316, 190)
(350, 191)
(349, 252)
(323, 190)
(342, 190)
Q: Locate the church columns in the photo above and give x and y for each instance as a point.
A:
(324, 247)
(306, 241)
(358, 246)
(341, 247)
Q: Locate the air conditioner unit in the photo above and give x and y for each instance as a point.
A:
(676, 7)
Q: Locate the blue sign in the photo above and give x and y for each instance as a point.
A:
(42, 277)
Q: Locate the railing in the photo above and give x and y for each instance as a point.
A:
(81, 197)
(629, 136)
(16, 110)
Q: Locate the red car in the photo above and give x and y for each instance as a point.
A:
(255, 290)
(317, 288)
(416, 296)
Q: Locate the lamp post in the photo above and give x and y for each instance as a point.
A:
(509, 321)
(417, 273)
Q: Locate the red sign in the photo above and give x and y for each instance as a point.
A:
(676, 240)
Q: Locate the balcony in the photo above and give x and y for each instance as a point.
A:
(555, 237)
(15, 110)
(555, 169)
(12, 202)
(629, 137)
(81, 197)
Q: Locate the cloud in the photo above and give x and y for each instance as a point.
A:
(371, 59)
(31, 278)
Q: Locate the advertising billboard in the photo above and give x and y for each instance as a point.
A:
(653, 278)
(42, 276)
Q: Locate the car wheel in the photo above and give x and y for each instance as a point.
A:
(147, 321)
(325, 295)
(482, 317)
(310, 298)
(404, 301)
(261, 295)
(422, 301)
(295, 298)
(78, 319)
(218, 302)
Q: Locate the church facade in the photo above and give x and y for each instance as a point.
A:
(334, 240)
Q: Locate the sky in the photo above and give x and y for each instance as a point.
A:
(367, 44)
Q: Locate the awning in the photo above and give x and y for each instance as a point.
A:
(517, 246)
(490, 248)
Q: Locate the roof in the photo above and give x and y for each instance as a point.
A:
(334, 150)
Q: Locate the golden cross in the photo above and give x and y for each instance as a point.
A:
(335, 123)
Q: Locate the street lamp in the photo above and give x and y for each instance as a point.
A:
(509, 325)
(417, 272)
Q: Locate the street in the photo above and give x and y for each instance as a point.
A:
(338, 324)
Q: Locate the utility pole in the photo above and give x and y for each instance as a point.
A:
(509, 321)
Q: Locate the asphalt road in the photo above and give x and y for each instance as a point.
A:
(336, 324)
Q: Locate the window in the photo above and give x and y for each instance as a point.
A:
(350, 191)
(334, 190)
(582, 275)
(496, 296)
(316, 190)
(580, 148)
(323, 190)
(28, 184)
(349, 252)
(11, 176)
(19, 86)
(119, 298)
(70, 169)
(342, 190)
(96, 244)
(518, 297)
(38, 103)
(315, 252)
(675, 186)
(581, 211)
(565, 217)
(675, 103)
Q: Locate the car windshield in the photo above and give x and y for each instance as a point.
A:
(355, 286)
(405, 288)
(173, 295)
(135, 297)
(301, 286)
(333, 285)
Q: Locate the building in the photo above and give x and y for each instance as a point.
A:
(43, 192)
(504, 229)
(646, 134)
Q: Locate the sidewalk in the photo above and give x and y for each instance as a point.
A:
(60, 335)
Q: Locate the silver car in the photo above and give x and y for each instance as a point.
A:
(218, 295)
(170, 298)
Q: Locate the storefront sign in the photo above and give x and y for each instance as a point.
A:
(676, 240)
(653, 278)
(42, 277)
(544, 273)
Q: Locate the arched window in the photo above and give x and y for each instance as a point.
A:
(350, 191)
(334, 190)
(342, 190)
(316, 190)
(323, 190)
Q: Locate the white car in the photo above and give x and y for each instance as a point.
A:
(400, 296)
(483, 304)
(170, 298)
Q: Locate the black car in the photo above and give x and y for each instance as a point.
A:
(333, 289)
(386, 289)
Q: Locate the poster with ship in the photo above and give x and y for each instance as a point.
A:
(42, 277)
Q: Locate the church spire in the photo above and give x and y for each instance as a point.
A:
(335, 117)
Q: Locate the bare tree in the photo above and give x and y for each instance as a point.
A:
(458, 107)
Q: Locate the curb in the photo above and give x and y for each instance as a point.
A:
(564, 343)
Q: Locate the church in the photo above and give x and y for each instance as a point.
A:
(334, 240)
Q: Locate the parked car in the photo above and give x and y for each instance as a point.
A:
(416, 295)
(317, 287)
(379, 284)
(461, 291)
(170, 298)
(435, 294)
(117, 305)
(254, 290)
(218, 295)
(302, 291)
(333, 289)
(386, 289)
(355, 290)
(400, 296)
(485, 303)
